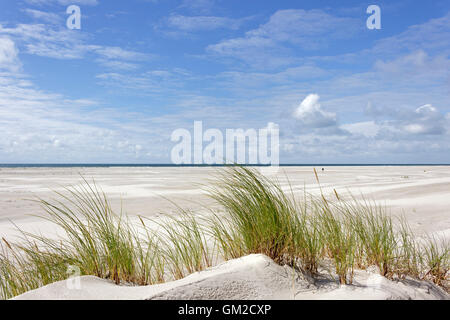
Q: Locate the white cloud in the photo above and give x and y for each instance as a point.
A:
(426, 110)
(45, 16)
(61, 43)
(168, 82)
(368, 129)
(408, 124)
(38, 126)
(41, 123)
(195, 23)
(63, 2)
(304, 27)
(118, 53)
(415, 128)
(418, 67)
(198, 5)
(241, 47)
(307, 29)
(310, 113)
(8, 55)
(426, 120)
(431, 35)
(42, 40)
(115, 64)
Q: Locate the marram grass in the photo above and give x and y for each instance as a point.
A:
(260, 215)
(256, 216)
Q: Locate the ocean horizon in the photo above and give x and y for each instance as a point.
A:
(105, 165)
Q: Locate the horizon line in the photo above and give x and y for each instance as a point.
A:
(93, 164)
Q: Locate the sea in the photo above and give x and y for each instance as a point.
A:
(106, 165)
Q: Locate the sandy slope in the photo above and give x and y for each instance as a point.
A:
(250, 277)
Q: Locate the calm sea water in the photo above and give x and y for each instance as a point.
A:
(106, 165)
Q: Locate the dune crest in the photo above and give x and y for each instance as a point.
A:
(254, 276)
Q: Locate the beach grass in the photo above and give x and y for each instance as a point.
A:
(436, 259)
(256, 216)
(260, 214)
(184, 245)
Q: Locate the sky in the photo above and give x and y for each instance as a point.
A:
(114, 90)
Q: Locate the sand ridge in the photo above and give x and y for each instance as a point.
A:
(252, 277)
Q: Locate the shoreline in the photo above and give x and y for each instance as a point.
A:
(169, 165)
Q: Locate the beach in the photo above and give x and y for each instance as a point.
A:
(420, 193)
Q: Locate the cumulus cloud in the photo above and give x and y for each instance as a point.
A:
(310, 113)
(425, 120)
(420, 123)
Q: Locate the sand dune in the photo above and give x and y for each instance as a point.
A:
(252, 277)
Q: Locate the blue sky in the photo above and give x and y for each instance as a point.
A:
(115, 90)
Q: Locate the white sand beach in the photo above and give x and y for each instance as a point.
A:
(420, 193)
